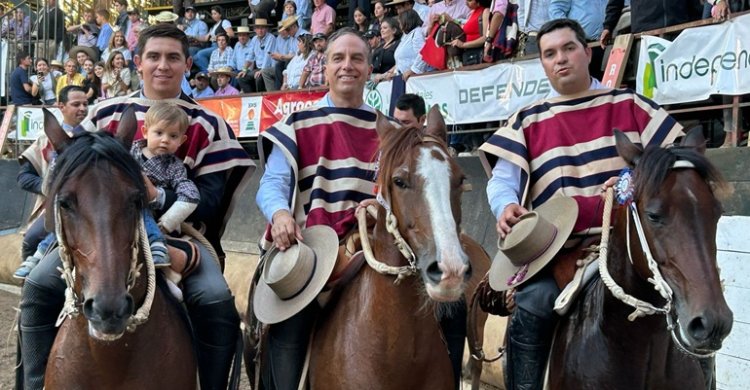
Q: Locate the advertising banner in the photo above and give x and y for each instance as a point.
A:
(489, 94)
(379, 96)
(276, 105)
(30, 122)
(229, 108)
(700, 62)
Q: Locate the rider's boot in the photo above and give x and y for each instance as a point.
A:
(217, 327)
(39, 310)
(528, 346)
(287, 347)
(453, 325)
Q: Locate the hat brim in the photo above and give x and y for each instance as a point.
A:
(397, 2)
(269, 308)
(561, 212)
(91, 52)
(230, 74)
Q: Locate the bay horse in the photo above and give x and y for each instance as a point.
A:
(668, 239)
(98, 194)
(384, 335)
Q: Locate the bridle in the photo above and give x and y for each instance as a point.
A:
(642, 308)
(72, 300)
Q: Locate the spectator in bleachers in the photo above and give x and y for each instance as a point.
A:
(134, 28)
(648, 15)
(473, 43)
(87, 31)
(20, 86)
(373, 38)
(70, 77)
(313, 74)
(81, 54)
(284, 50)
(402, 6)
(304, 13)
(383, 61)
(116, 80)
(293, 71)
(105, 30)
(92, 84)
(364, 8)
(50, 32)
(590, 15)
(43, 83)
(203, 56)
(195, 29)
(498, 12)
(290, 9)
(19, 25)
(360, 20)
(56, 68)
(447, 11)
(379, 12)
(410, 111)
(323, 18)
(223, 55)
(202, 89)
(242, 49)
(260, 58)
(223, 75)
(117, 44)
(532, 14)
(408, 59)
(121, 7)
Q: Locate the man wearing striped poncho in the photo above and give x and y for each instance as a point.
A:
(561, 146)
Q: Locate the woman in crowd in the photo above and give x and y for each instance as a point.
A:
(117, 43)
(408, 59)
(290, 9)
(116, 80)
(360, 22)
(221, 25)
(71, 77)
(99, 72)
(43, 83)
(382, 59)
(473, 43)
(293, 70)
(379, 13)
(93, 84)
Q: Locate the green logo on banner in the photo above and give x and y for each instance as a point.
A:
(649, 75)
(374, 99)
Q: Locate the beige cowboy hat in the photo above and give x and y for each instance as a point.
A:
(166, 17)
(56, 63)
(288, 22)
(223, 70)
(242, 30)
(261, 22)
(93, 54)
(290, 280)
(395, 2)
(533, 242)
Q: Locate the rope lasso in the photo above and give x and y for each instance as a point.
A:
(401, 272)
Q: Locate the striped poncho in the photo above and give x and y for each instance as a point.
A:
(565, 146)
(332, 154)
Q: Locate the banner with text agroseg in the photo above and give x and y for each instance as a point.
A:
(278, 105)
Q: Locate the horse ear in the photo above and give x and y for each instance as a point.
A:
(382, 124)
(436, 124)
(127, 127)
(55, 133)
(694, 139)
(629, 151)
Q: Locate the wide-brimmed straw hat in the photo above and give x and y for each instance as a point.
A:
(288, 22)
(533, 242)
(242, 30)
(290, 280)
(261, 22)
(93, 54)
(56, 63)
(166, 17)
(223, 70)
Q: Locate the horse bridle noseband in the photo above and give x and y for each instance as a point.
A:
(642, 308)
(72, 302)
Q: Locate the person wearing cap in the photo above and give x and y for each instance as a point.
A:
(202, 88)
(323, 18)
(530, 166)
(105, 29)
(284, 50)
(313, 74)
(223, 76)
(133, 29)
(87, 31)
(261, 46)
(373, 38)
(291, 145)
(195, 29)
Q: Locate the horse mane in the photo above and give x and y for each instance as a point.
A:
(656, 163)
(395, 146)
(93, 150)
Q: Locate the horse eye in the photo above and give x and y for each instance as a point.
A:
(64, 204)
(400, 183)
(653, 217)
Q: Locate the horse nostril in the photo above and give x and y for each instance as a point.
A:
(698, 328)
(88, 307)
(434, 273)
(127, 308)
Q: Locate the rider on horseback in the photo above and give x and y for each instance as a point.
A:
(570, 132)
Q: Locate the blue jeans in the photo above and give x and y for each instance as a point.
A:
(203, 57)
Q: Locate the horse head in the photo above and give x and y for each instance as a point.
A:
(675, 193)
(422, 186)
(97, 194)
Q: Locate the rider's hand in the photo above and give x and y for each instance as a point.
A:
(151, 190)
(508, 218)
(284, 230)
(609, 183)
(604, 38)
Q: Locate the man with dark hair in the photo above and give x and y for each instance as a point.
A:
(105, 29)
(410, 110)
(121, 6)
(524, 177)
(20, 86)
(219, 167)
(88, 31)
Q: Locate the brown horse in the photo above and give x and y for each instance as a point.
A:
(98, 195)
(596, 346)
(385, 335)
